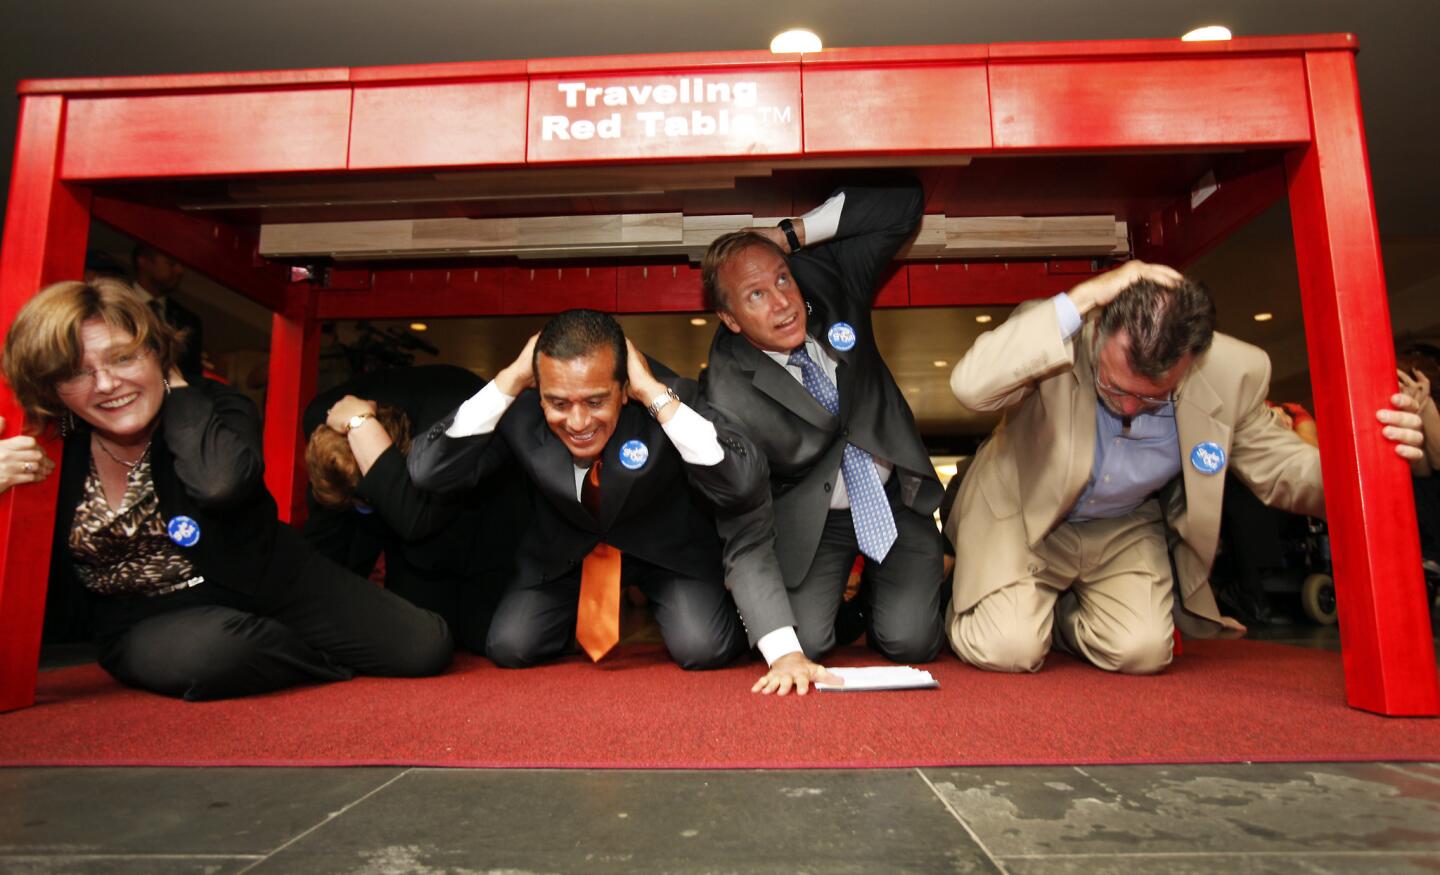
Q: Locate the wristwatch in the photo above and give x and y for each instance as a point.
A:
(788, 227)
(660, 402)
(356, 421)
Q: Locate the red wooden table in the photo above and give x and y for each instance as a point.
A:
(1117, 127)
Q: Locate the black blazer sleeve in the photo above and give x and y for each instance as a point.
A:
(410, 512)
(213, 433)
(874, 224)
(443, 465)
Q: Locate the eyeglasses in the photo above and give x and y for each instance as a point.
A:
(122, 367)
(1151, 402)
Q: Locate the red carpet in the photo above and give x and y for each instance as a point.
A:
(1220, 702)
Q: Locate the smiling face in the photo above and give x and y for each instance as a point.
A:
(1125, 392)
(581, 400)
(761, 300)
(123, 399)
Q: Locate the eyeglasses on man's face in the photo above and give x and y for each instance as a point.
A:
(1118, 395)
(122, 367)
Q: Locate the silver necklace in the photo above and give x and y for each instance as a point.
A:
(131, 465)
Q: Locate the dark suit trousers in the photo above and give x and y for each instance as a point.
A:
(905, 592)
(535, 622)
(212, 643)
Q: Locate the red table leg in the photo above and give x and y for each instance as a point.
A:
(45, 231)
(1384, 624)
(294, 361)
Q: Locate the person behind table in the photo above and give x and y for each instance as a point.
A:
(199, 591)
(796, 366)
(1123, 409)
(157, 275)
(451, 555)
(619, 459)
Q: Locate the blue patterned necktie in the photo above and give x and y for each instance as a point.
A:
(869, 508)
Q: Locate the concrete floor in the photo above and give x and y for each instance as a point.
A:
(1311, 818)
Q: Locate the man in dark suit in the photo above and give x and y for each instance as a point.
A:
(620, 461)
(450, 555)
(156, 276)
(795, 366)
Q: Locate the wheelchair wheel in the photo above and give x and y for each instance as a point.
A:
(1317, 597)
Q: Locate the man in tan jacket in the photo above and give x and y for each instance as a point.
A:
(1123, 409)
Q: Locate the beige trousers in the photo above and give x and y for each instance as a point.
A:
(1112, 581)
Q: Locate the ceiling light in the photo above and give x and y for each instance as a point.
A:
(941, 363)
(419, 326)
(945, 470)
(1264, 317)
(793, 41)
(983, 318)
(698, 320)
(1210, 33)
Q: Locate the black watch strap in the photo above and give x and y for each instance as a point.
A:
(789, 228)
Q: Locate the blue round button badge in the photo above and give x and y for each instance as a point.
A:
(634, 454)
(183, 531)
(1208, 458)
(842, 336)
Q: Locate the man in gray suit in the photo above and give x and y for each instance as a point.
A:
(795, 366)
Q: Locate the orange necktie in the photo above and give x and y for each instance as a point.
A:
(597, 620)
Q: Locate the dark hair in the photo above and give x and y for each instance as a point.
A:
(1163, 323)
(577, 333)
(726, 247)
(141, 250)
(1419, 355)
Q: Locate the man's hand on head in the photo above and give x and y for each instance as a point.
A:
(519, 375)
(643, 385)
(793, 670)
(1100, 290)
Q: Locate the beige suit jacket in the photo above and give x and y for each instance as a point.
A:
(1031, 470)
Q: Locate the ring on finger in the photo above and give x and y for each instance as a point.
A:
(29, 467)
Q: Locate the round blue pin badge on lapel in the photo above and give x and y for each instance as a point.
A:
(842, 336)
(634, 454)
(183, 531)
(1208, 458)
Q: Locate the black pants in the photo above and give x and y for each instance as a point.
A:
(535, 622)
(327, 624)
(906, 592)
(467, 602)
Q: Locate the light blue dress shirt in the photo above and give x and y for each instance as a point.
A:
(1131, 464)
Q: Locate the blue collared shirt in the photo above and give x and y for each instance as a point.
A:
(1130, 464)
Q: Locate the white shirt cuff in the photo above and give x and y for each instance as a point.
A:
(1070, 321)
(480, 413)
(694, 436)
(776, 644)
(822, 222)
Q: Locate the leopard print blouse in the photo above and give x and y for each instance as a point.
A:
(126, 551)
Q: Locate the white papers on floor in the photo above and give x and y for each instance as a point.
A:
(880, 677)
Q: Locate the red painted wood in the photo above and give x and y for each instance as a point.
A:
(656, 62)
(443, 124)
(891, 55)
(225, 253)
(294, 362)
(1106, 104)
(1384, 621)
(909, 108)
(45, 230)
(186, 81)
(151, 136)
(552, 289)
(419, 73)
(659, 288)
(1179, 234)
(894, 289)
(1159, 48)
(403, 294)
(759, 115)
(989, 283)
